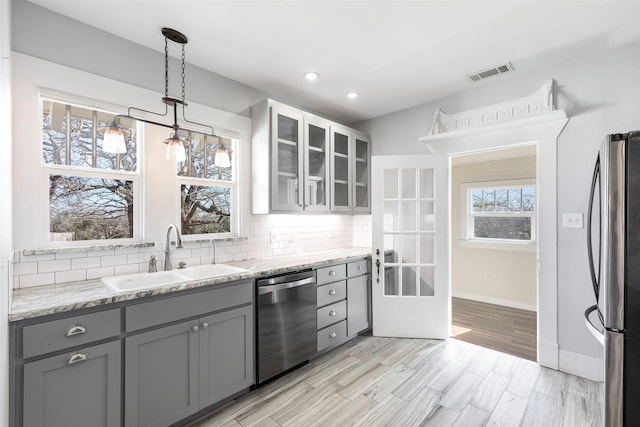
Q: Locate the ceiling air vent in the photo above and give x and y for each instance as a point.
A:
(481, 75)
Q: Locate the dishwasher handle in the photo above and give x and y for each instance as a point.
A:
(266, 289)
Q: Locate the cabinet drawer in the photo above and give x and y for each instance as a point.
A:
(332, 335)
(331, 314)
(333, 292)
(331, 274)
(155, 313)
(358, 268)
(72, 331)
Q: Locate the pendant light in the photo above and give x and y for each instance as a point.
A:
(115, 134)
(221, 158)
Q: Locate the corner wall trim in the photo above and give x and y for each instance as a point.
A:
(588, 367)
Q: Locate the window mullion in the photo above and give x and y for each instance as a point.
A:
(94, 138)
(67, 120)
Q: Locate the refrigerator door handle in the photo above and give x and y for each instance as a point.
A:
(591, 327)
(595, 186)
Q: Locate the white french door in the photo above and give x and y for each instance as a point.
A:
(410, 216)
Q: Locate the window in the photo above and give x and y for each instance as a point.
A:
(208, 191)
(499, 212)
(92, 194)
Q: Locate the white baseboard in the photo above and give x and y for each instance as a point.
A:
(581, 365)
(548, 354)
(497, 301)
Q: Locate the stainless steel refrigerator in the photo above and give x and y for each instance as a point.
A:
(613, 239)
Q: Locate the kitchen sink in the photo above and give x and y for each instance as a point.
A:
(206, 271)
(140, 281)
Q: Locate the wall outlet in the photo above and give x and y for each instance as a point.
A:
(572, 220)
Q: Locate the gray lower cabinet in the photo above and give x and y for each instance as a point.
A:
(79, 388)
(174, 371)
(358, 305)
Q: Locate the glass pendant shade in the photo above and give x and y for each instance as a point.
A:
(222, 159)
(175, 148)
(113, 140)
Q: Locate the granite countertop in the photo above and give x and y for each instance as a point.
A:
(43, 300)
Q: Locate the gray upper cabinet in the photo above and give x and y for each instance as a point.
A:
(77, 388)
(299, 166)
(350, 171)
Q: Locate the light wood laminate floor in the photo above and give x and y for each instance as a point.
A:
(373, 381)
(508, 330)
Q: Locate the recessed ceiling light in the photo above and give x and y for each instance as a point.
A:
(352, 95)
(311, 75)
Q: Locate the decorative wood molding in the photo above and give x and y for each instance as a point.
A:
(540, 102)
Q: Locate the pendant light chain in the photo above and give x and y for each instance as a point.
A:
(183, 75)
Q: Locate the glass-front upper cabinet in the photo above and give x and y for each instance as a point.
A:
(341, 170)
(316, 164)
(362, 176)
(287, 157)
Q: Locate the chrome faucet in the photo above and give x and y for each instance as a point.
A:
(167, 248)
(212, 244)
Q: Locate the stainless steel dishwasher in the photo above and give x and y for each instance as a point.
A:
(285, 323)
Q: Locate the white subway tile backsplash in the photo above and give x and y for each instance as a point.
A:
(53, 266)
(35, 258)
(138, 258)
(71, 255)
(70, 276)
(110, 260)
(80, 263)
(37, 280)
(96, 273)
(126, 251)
(23, 268)
(101, 252)
(126, 269)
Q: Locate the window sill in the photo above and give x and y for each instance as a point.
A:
(29, 252)
(500, 245)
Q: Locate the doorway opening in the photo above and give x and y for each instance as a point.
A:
(494, 250)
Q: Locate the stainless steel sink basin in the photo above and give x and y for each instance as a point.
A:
(141, 281)
(207, 271)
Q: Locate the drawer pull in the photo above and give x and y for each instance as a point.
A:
(332, 273)
(332, 291)
(195, 328)
(76, 358)
(332, 313)
(360, 267)
(76, 330)
(333, 334)
(205, 325)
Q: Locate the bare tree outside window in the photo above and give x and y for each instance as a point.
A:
(502, 213)
(82, 206)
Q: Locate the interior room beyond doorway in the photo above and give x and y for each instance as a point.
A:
(494, 249)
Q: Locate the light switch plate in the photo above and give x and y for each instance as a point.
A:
(572, 220)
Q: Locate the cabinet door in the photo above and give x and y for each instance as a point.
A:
(357, 305)
(361, 174)
(226, 354)
(161, 375)
(341, 170)
(287, 156)
(81, 388)
(316, 165)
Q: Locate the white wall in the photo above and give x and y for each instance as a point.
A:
(497, 276)
(5, 204)
(600, 95)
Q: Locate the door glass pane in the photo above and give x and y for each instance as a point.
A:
(426, 183)
(392, 243)
(409, 280)
(427, 283)
(391, 183)
(391, 217)
(409, 249)
(427, 249)
(391, 280)
(427, 218)
(408, 183)
(287, 128)
(287, 190)
(409, 215)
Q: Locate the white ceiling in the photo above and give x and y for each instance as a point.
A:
(396, 54)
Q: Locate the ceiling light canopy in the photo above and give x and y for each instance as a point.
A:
(115, 134)
(311, 75)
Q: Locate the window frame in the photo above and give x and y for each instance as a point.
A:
(467, 217)
(50, 169)
(235, 217)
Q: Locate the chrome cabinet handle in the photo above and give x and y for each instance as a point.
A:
(75, 330)
(76, 357)
(332, 273)
(205, 325)
(195, 328)
(332, 334)
(332, 291)
(332, 313)
(360, 267)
